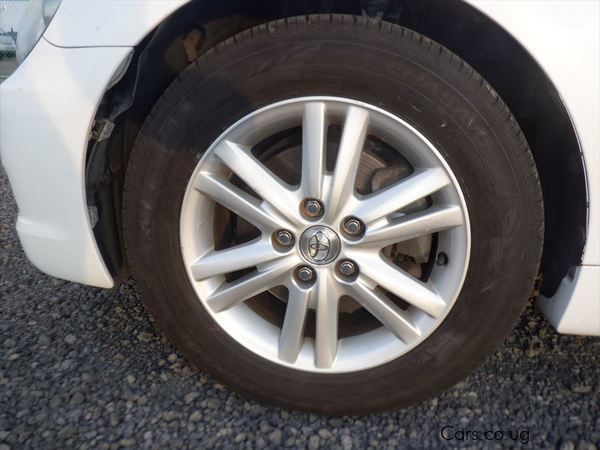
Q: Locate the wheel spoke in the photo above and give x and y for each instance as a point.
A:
(235, 258)
(417, 186)
(239, 202)
(326, 337)
(259, 178)
(230, 294)
(400, 283)
(292, 333)
(386, 311)
(314, 136)
(422, 223)
(348, 159)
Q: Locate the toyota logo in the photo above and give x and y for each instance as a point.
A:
(319, 245)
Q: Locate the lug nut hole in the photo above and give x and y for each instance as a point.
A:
(305, 274)
(353, 227)
(347, 268)
(284, 238)
(312, 208)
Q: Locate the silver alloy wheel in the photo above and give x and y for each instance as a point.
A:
(271, 205)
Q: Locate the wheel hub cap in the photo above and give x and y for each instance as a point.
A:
(320, 245)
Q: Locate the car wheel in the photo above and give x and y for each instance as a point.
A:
(334, 214)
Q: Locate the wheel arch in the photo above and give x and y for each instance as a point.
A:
(485, 45)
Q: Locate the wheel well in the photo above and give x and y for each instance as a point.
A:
(478, 40)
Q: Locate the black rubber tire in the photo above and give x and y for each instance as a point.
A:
(403, 73)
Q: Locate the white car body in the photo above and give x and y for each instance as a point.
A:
(46, 123)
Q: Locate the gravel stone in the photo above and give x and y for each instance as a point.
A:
(70, 339)
(82, 367)
(325, 434)
(275, 437)
(145, 337)
(196, 416)
(67, 432)
(314, 442)
(77, 398)
(567, 445)
(346, 442)
(189, 398)
(582, 389)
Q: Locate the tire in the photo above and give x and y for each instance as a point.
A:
(406, 75)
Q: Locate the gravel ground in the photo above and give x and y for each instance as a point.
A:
(87, 368)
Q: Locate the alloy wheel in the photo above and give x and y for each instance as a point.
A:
(325, 234)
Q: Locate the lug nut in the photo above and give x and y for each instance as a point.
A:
(284, 237)
(305, 273)
(353, 226)
(347, 268)
(313, 208)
